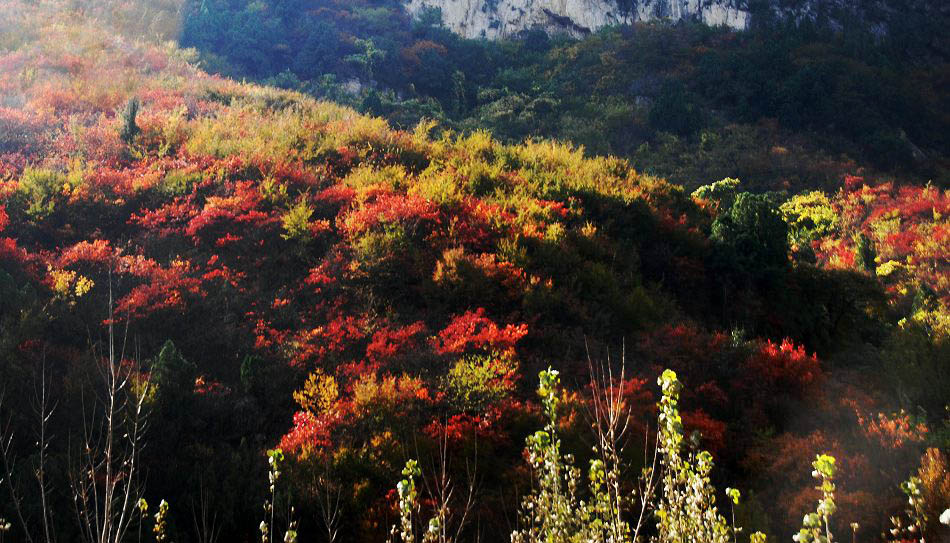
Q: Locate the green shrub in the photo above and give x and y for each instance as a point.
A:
(179, 182)
(296, 221)
(477, 382)
(41, 191)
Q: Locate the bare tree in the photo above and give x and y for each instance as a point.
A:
(9, 467)
(207, 528)
(611, 419)
(451, 514)
(44, 411)
(647, 482)
(106, 482)
(328, 500)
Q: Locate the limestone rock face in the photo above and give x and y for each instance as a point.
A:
(495, 19)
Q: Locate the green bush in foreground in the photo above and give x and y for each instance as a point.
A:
(677, 490)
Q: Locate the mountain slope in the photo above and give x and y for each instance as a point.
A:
(787, 104)
(356, 293)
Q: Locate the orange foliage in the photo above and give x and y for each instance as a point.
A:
(713, 432)
(782, 366)
(164, 287)
(411, 54)
(472, 330)
(99, 251)
(308, 432)
(388, 343)
(893, 431)
(315, 344)
(391, 208)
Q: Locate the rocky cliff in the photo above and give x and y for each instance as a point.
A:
(506, 18)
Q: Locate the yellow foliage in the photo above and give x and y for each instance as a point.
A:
(62, 281)
(393, 177)
(554, 232)
(67, 283)
(371, 392)
(436, 186)
(888, 268)
(318, 394)
(811, 212)
(886, 225)
(174, 131)
(477, 381)
(936, 321)
(83, 285)
(420, 134)
(446, 269)
(589, 230)
(273, 191)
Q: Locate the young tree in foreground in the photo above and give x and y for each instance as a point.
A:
(106, 481)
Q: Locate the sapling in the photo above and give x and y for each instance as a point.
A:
(687, 510)
(408, 503)
(816, 527)
(611, 420)
(450, 516)
(106, 481)
(143, 511)
(551, 513)
(275, 459)
(161, 523)
(915, 513)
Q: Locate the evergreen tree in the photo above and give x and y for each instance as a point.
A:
(129, 129)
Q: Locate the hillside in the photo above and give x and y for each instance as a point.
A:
(259, 269)
(789, 104)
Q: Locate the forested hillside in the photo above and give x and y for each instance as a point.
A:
(224, 295)
(788, 104)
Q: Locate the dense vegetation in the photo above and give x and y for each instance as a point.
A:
(195, 271)
(782, 105)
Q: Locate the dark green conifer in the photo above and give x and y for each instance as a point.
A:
(129, 129)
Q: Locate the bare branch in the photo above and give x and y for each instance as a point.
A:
(9, 464)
